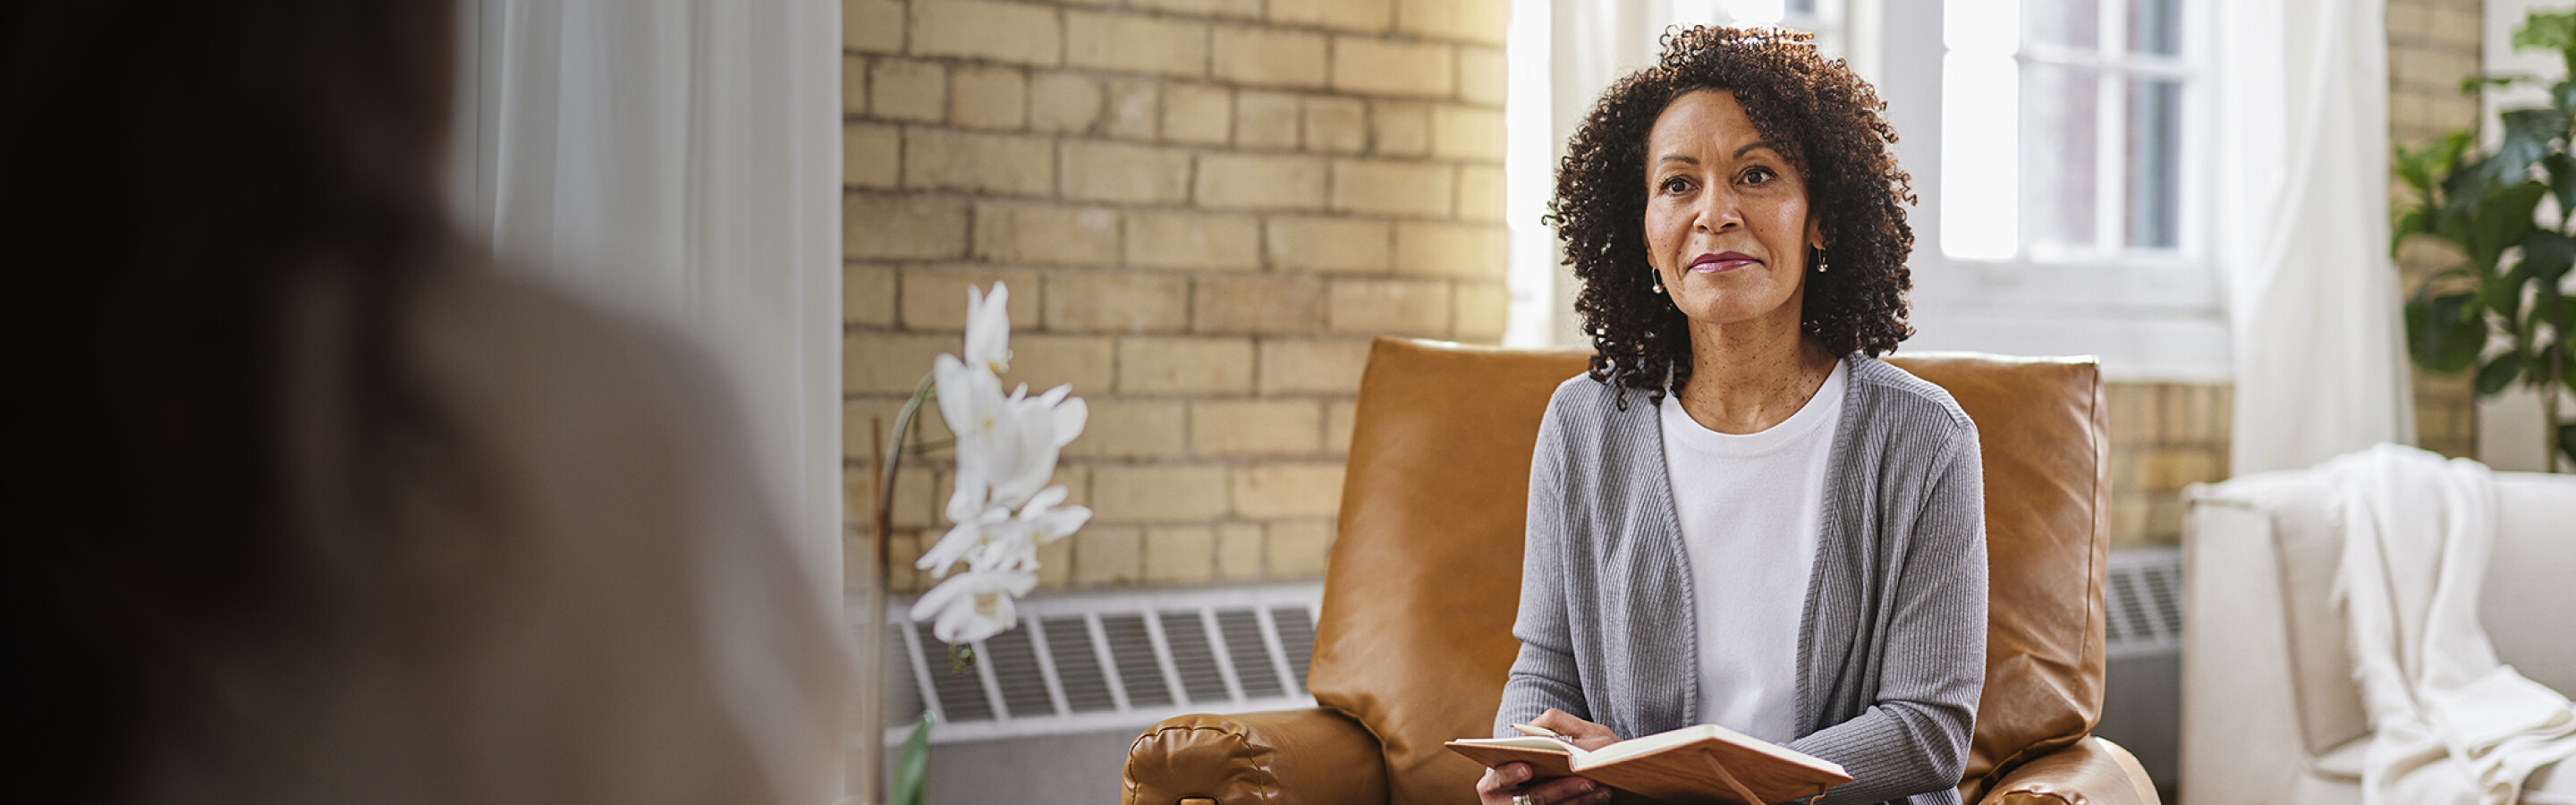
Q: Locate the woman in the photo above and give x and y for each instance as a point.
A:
(303, 503)
(1787, 538)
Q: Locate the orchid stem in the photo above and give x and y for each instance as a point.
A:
(903, 420)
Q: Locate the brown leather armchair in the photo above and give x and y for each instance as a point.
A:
(1414, 639)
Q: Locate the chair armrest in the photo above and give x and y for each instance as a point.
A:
(2091, 772)
(1281, 757)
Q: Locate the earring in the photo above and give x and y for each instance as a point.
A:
(1818, 257)
(1658, 281)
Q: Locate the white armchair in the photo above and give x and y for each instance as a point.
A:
(2270, 711)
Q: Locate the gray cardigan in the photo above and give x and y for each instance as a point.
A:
(1894, 635)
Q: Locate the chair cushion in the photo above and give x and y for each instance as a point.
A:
(2042, 429)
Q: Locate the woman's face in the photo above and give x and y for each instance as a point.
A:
(1727, 227)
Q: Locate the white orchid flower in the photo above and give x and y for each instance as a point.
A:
(972, 531)
(988, 329)
(971, 400)
(974, 605)
(1035, 431)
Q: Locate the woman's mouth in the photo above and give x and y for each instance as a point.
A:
(1722, 261)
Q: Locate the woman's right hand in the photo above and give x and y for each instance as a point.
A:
(1501, 784)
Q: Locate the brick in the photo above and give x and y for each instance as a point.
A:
(2129, 520)
(1467, 132)
(935, 298)
(854, 85)
(1117, 303)
(989, 97)
(1062, 102)
(903, 89)
(1055, 564)
(1158, 494)
(1125, 173)
(1132, 44)
(1046, 234)
(1165, 365)
(2164, 520)
(1483, 76)
(1193, 241)
(874, 26)
(1350, 15)
(1372, 66)
(1339, 416)
(1298, 550)
(1483, 311)
(1198, 114)
(1400, 128)
(1255, 428)
(856, 411)
(1260, 182)
(1338, 125)
(1180, 554)
(1108, 555)
(1238, 551)
(2171, 469)
(1016, 33)
(1131, 429)
(1257, 305)
(1467, 251)
(1048, 361)
(914, 504)
(2430, 70)
(1278, 491)
(890, 363)
(1312, 366)
(1469, 20)
(1388, 307)
(1239, 9)
(1269, 58)
(1134, 109)
(983, 163)
(1266, 119)
(2456, 27)
(1480, 193)
(1301, 243)
(867, 296)
(1390, 187)
(871, 155)
(902, 227)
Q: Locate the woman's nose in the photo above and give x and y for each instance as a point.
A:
(1717, 212)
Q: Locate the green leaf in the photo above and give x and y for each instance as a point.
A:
(2411, 223)
(912, 766)
(2544, 30)
(2527, 135)
(2501, 223)
(2499, 373)
(2502, 293)
(2562, 180)
(2478, 81)
(2443, 333)
(2547, 255)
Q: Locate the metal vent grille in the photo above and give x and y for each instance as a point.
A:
(2142, 609)
(1100, 662)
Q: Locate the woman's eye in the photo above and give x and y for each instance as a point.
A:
(1675, 184)
(1759, 175)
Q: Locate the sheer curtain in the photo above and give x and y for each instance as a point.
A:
(2320, 364)
(680, 159)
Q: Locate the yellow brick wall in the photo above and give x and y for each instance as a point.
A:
(1204, 209)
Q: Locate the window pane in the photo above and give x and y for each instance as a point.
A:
(2155, 130)
(1805, 7)
(2060, 125)
(2155, 26)
(2073, 23)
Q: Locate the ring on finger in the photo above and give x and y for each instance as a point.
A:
(1523, 799)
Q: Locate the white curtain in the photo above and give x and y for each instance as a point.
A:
(2320, 365)
(679, 159)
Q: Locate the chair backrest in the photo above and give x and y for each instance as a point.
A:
(1415, 635)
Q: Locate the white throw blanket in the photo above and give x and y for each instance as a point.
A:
(2450, 724)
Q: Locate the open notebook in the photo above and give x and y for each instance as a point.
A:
(1698, 764)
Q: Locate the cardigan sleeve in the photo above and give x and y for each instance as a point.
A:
(1914, 739)
(1545, 674)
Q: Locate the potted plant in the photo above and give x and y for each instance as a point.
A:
(2508, 312)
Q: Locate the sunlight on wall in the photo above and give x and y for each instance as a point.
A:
(1980, 149)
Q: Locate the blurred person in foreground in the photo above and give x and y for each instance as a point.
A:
(303, 502)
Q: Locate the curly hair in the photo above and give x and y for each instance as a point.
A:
(1828, 121)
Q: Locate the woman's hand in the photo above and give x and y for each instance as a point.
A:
(1506, 784)
(1501, 785)
(1582, 733)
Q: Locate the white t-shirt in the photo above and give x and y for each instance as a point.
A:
(1750, 506)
